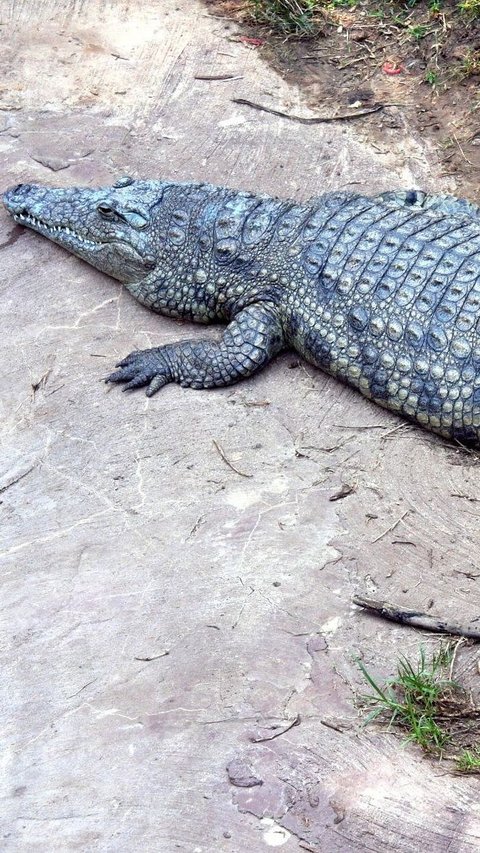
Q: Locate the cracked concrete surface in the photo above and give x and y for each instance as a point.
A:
(164, 616)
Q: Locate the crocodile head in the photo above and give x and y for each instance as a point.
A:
(111, 228)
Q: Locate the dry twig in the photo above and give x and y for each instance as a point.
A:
(225, 458)
(295, 722)
(416, 618)
(317, 120)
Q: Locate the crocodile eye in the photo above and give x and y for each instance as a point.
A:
(106, 211)
(124, 181)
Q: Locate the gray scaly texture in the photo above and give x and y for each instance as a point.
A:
(383, 292)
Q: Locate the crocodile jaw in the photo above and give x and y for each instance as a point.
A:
(68, 218)
(59, 233)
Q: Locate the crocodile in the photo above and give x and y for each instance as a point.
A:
(382, 292)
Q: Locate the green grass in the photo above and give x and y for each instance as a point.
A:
(469, 760)
(432, 710)
(470, 63)
(289, 17)
(470, 7)
(424, 29)
(411, 697)
(418, 31)
(302, 18)
(341, 4)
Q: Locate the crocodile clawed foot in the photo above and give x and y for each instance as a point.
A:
(140, 368)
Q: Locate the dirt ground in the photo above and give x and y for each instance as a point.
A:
(382, 52)
(165, 618)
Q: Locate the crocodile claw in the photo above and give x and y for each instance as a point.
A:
(140, 368)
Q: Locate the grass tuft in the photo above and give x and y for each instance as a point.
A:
(418, 31)
(411, 699)
(471, 8)
(470, 63)
(469, 760)
(427, 26)
(289, 17)
(427, 706)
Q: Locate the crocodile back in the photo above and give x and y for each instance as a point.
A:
(390, 303)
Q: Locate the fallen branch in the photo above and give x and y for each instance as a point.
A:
(317, 120)
(416, 618)
(213, 77)
(295, 722)
(152, 657)
(462, 152)
(17, 479)
(225, 458)
(391, 528)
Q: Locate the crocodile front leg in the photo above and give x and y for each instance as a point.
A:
(248, 343)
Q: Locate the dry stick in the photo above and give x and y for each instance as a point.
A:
(360, 426)
(462, 152)
(295, 722)
(393, 430)
(317, 120)
(223, 455)
(212, 77)
(454, 655)
(391, 528)
(153, 657)
(16, 479)
(467, 497)
(416, 618)
(351, 62)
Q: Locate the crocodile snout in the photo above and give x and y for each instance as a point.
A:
(14, 198)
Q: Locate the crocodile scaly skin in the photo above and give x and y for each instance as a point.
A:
(382, 292)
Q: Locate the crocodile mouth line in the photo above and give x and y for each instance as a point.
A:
(32, 221)
(67, 237)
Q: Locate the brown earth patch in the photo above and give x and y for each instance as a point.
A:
(423, 63)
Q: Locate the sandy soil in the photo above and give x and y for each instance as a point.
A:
(164, 617)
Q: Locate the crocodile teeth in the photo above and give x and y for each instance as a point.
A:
(29, 219)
